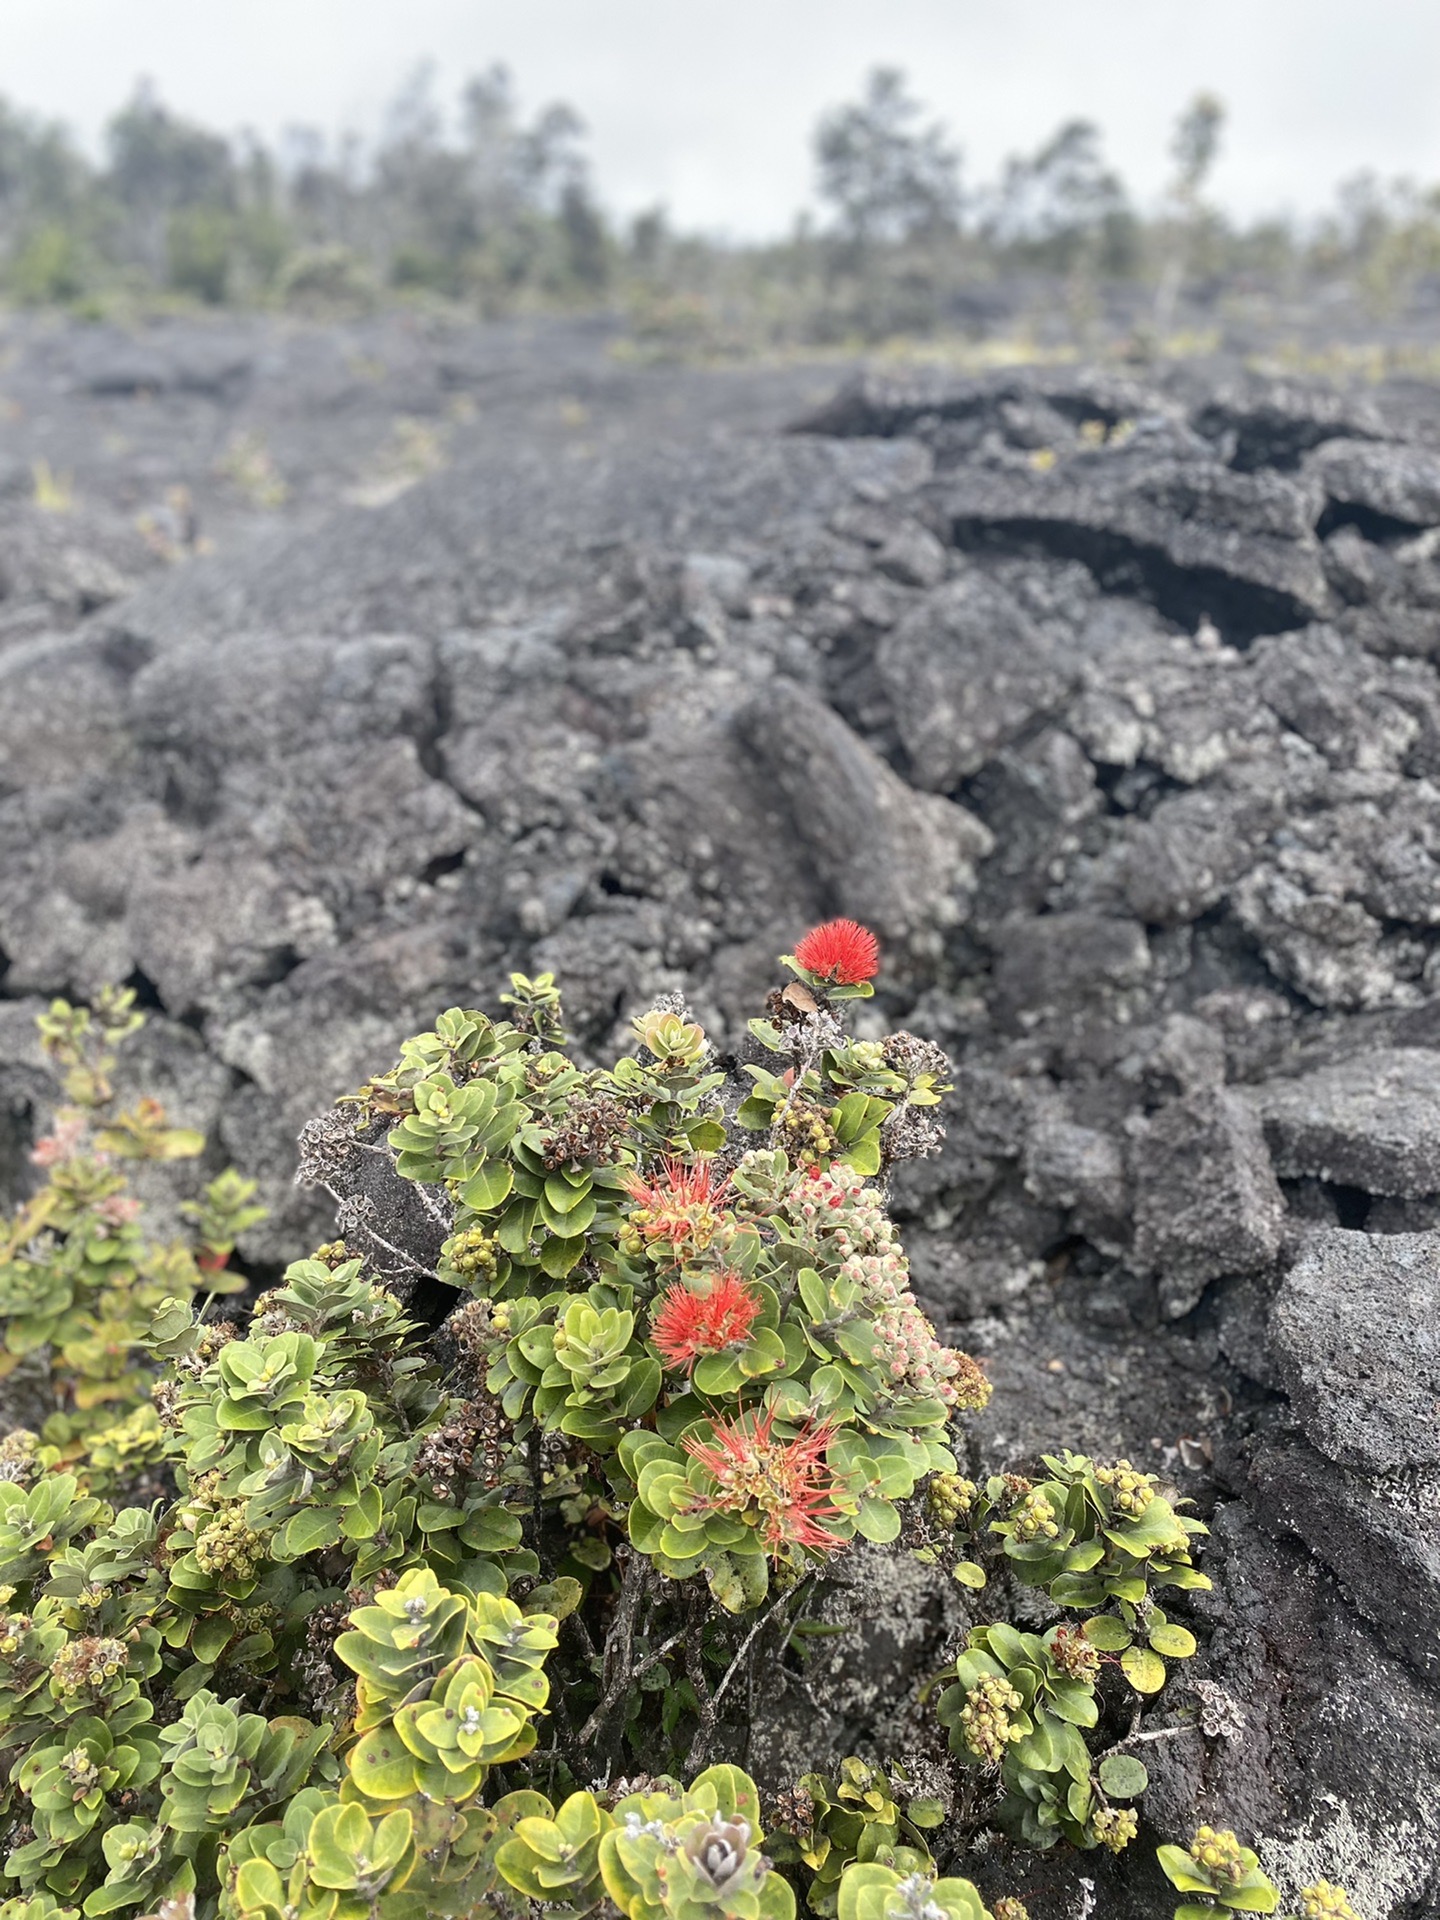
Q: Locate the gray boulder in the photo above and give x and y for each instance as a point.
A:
(1392, 483)
(1198, 537)
(1207, 1202)
(967, 671)
(1354, 1330)
(1371, 1121)
(1354, 1527)
(900, 861)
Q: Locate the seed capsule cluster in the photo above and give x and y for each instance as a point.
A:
(1218, 1852)
(227, 1548)
(1323, 1901)
(1034, 1518)
(985, 1719)
(83, 1666)
(1075, 1656)
(807, 1136)
(949, 1499)
(473, 1255)
(1115, 1827)
(793, 1810)
(1130, 1490)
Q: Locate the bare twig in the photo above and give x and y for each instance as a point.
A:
(695, 1674)
(618, 1643)
(803, 1687)
(535, 1464)
(654, 1659)
(436, 1210)
(582, 1634)
(710, 1706)
(1152, 1733)
(740, 1653)
(759, 1627)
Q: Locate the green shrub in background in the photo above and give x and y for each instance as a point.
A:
(311, 1613)
(199, 242)
(469, 206)
(50, 267)
(79, 1278)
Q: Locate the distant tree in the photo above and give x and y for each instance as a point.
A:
(471, 205)
(886, 176)
(1194, 147)
(321, 188)
(549, 156)
(514, 165)
(587, 241)
(158, 160)
(649, 237)
(1384, 235)
(43, 175)
(49, 267)
(175, 183)
(425, 215)
(1063, 203)
(413, 119)
(478, 200)
(264, 235)
(47, 217)
(505, 203)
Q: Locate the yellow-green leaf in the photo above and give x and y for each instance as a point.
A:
(1143, 1669)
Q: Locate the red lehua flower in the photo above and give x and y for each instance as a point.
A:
(690, 1325)
(682, 1205)
(786, 1480)
(842, 953)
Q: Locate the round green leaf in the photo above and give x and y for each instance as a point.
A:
(877, 1520)
(925, 1812)
(565, 1191)
(1143, 1669)
(489, 1186)
(1177, 1642)
(381, 1767)
(1255, 1894)
(970, 1575)
(1123, 1777)
(1107, 1633)
(211, 1637)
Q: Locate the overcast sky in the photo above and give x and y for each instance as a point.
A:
(707, 105)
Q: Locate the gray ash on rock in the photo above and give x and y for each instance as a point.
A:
(1112, 707)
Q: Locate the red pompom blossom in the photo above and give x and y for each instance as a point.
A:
(690, 1325)
(682, 1205)
(842, 953)
(783, 1485)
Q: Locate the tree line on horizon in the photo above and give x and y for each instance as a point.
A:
(486, 209)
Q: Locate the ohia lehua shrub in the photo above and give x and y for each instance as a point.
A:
(346, 1600)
